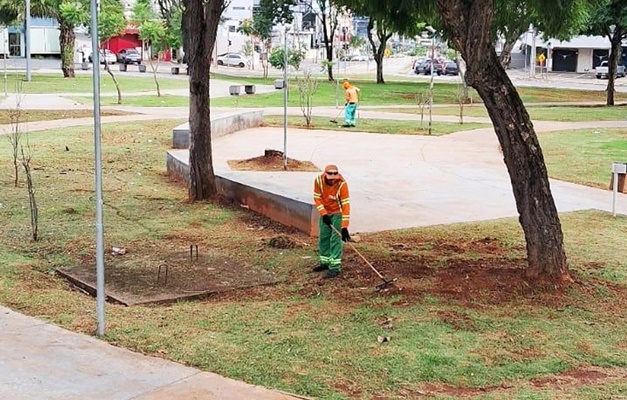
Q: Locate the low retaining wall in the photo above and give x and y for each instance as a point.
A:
(220, 126)
(285, 210)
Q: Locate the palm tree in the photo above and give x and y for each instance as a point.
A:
(68, 13)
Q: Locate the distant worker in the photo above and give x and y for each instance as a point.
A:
(351, 95)
(333, 204)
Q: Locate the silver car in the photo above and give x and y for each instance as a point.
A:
(233, 60)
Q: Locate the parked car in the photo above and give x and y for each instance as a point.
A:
(420, 65)
(426, 67)
(359, 58)
(105, 54)
(129, 56)
(448, 68)
(603, 70)
(233, 60)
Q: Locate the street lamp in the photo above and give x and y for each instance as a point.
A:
(100, 279)
(285, 99)
(433, 32)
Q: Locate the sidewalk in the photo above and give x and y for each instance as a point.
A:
(42, 361)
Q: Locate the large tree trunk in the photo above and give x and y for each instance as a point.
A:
(615, 52)
(200, 25)
(66, 43)
(328, 46)
(378, 53)
(470, 31)
(506, 54)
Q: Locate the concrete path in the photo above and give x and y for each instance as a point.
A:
(407, 181)
(63, 101)
(43, 361)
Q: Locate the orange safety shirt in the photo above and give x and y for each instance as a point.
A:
(332, 199)
(351, 94)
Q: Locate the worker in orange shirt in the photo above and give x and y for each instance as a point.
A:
(332, 201)
(351, 95)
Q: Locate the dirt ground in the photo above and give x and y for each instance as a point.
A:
(272, 160)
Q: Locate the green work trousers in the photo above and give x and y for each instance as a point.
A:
(330, 244)
(349, 114)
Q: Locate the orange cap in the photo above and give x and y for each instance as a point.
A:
(346, 85)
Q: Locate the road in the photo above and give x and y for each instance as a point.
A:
(398, 68)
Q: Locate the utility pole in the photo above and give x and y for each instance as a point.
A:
(100, 283)
(431, 82)
(285, 101)
(27, 41)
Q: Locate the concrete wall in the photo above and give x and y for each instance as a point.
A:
(288, 211)
(584, 60)
(220, 126)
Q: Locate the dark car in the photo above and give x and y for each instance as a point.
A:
(419, 66)
(448, 68)
(129, 56)
(425, 68)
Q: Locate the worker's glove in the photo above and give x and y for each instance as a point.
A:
(345, 235)
(326, 219)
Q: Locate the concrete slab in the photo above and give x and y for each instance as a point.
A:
(403, 181)
(42, 361)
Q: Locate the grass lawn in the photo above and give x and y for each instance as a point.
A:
(562, 113)
(47, 115)
(375, 125)
(140, 101)
(398, 93)
(56, 83)
(465, 323)
(584, 156)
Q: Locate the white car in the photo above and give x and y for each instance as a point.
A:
(105, 54)
(233, 60)
(359, 58)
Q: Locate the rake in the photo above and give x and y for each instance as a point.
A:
(386, 282)
(334, 120)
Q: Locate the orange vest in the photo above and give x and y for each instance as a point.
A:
(332, 199)
(351, 94)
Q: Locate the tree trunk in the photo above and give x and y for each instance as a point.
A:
(506, 54)
(115, 81)
(154, 67)
(328, 46)
(615, 40)
(66, 43)
(203, 21)
(378, 52)
(470, 31)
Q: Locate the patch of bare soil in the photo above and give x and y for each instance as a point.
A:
(442, 270)
(272, 160)
(148, 275)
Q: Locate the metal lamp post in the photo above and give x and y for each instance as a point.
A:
(27, 44)
(285, 100)
(430, 29)
(100, 284)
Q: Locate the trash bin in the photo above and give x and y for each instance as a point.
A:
(249, 89)
(175, 70)
(235, 90)
(123, 67)
(85, 66)
(142, 67)
(619, 170)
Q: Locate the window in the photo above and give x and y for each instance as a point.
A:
(239, 8)
(232, 28)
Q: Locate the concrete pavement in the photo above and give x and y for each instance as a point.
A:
(43, 361)
(400, 181)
